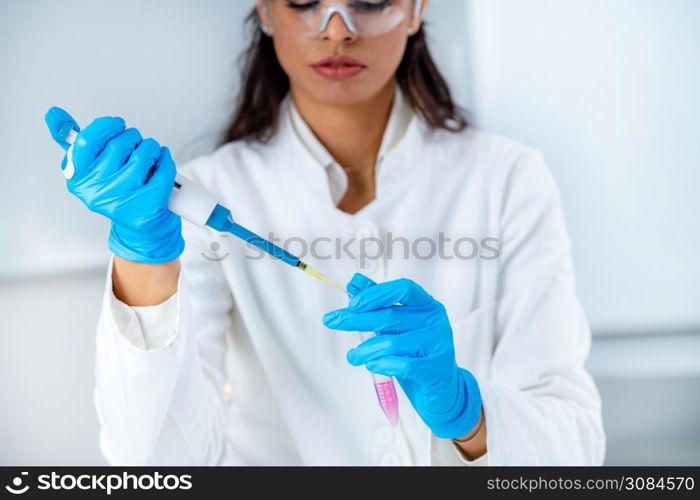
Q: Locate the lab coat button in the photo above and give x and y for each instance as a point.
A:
(363, 232)
(389, 458)
(384, 435)
(228, 392)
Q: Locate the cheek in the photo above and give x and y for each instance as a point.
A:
(289, 51)
(387, 52)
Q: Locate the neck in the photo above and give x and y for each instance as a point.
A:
(353, 133)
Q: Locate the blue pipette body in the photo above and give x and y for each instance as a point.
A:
(222, 220)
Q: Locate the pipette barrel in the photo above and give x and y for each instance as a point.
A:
(222, 220)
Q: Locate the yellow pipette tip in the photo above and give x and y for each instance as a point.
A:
(318, 274)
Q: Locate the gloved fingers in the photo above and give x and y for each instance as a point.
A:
(60, 123)
(358, 282)
(117, 152)
(402, 290)
(140, 162)
(164, 171)
(411, 344)
(393, 366)
(91, 141)
(161, 176)
(394, 319)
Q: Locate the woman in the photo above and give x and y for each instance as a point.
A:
(345, 135)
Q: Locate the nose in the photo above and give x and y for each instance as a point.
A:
(337, 29)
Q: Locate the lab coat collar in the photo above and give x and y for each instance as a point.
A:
(405, 141)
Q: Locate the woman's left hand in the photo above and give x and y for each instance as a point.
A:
(414, 344)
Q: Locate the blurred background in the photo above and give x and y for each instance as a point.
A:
(607, 90)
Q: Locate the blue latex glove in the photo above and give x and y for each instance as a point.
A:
(414, 344)
(127, 179)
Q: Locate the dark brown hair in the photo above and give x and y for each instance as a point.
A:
(264, 84)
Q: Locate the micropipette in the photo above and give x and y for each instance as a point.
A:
(201, 207)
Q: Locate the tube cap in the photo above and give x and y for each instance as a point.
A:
(359, 282)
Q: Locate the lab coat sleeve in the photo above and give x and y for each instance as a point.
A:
(541, 405)
(159, 391)
(146, 327)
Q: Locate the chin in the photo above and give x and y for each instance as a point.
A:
(343, 92)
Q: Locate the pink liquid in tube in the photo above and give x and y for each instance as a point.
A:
(386, 393)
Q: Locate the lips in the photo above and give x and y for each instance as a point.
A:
(338, 62)
(338, 67)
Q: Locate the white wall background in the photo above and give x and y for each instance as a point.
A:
(607, 89)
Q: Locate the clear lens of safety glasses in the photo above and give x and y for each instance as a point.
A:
(363, 18)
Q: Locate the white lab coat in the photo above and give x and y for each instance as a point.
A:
(238, 368)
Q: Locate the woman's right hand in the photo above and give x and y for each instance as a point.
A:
(113, 177)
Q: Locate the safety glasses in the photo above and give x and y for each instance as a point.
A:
(364, 18)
